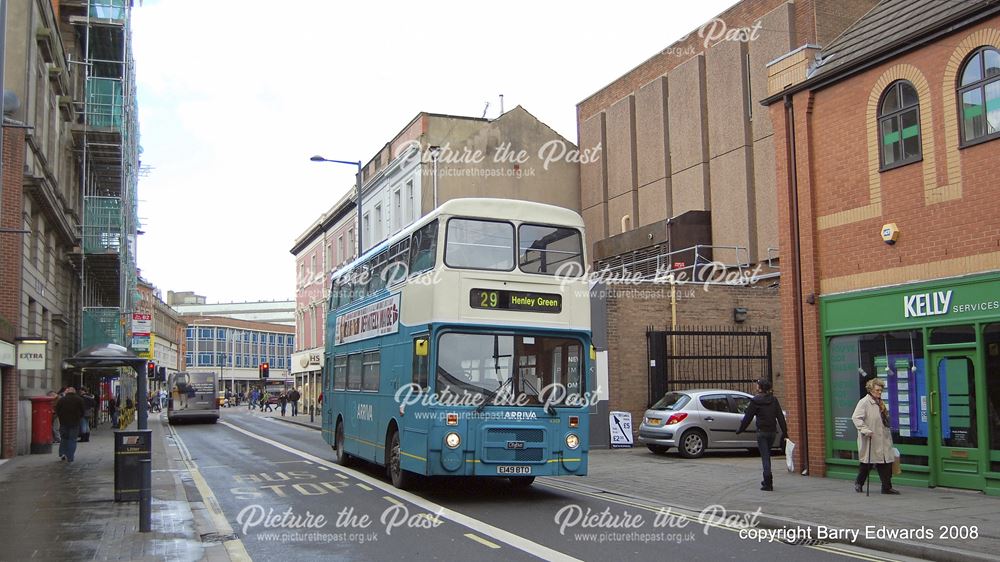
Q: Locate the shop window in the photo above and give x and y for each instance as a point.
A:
(979, 92)
(899, 125)
(991, 345)
(898, 359)
(954, 334)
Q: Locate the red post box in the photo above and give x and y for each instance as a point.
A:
(41, 424)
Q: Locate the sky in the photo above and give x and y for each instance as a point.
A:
(234, 97)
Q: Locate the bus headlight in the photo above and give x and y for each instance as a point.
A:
(452, 440)
(572, 441)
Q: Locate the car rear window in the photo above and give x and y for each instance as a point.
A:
(671, 401)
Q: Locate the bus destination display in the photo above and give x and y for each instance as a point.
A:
(498, 299)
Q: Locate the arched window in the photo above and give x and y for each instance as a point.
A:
(899, 125)
(979, 92)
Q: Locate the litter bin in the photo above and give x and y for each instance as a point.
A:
(41, 425)
(131, 447)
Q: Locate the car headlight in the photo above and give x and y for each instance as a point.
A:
(452, 440)
(572, 441)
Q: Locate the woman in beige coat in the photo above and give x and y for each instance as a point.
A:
(871, 417)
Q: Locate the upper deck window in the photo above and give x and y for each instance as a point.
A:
(550, 249)
(479, 244)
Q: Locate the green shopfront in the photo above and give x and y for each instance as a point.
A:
(937, 347)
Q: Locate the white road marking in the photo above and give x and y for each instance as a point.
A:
(391, 499)
(363, 487)
(234, 547)
(471, 523)
(481, 540)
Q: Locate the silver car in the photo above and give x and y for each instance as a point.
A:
(697, 420)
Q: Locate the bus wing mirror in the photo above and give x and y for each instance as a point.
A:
(420, 348)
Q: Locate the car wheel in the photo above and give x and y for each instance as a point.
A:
(692, 444)
(343, 459)
(658, 449)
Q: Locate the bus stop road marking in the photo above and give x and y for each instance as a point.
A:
(234, 548)
(496, 533)
(481, 540)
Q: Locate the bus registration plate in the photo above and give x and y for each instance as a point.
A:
(513, 470)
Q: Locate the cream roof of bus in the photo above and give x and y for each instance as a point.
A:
(526, 211)
(480, 207)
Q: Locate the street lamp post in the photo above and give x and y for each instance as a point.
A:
(357, 188)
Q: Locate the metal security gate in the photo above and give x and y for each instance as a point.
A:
(706, 358)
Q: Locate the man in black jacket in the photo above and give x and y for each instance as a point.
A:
(767, 409)
(70, 410)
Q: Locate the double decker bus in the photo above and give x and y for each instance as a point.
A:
(459, 347)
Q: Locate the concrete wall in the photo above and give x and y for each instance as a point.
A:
(684, 130)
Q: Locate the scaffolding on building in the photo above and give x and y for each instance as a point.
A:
(105, 133)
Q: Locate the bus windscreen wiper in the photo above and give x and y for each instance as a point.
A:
(493, 394)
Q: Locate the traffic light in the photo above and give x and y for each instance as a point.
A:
(264, 370)
(151, 369)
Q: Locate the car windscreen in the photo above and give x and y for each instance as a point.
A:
(671, 401)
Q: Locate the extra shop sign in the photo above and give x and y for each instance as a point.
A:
(376, 319)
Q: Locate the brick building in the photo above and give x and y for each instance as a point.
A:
(684, 174)
(888, 134)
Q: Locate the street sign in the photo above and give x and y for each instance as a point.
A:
(142, 324)
(621, 430)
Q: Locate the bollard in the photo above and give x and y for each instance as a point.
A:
(145, 495)
(311, 410)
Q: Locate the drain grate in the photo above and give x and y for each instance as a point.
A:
(217, 537)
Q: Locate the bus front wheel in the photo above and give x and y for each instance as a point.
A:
(402, 479)
(343, 459)
(521, 481)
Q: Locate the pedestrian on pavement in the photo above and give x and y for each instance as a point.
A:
(89, 405)
(113, 412)
(283, 401)
(766, 408)
(55, 419)
(294, 397)
(871, 417)
(70, 409)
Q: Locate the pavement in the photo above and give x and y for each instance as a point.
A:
(802, 503)
(55, 510)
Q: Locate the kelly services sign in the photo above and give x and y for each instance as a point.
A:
(376, 319)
